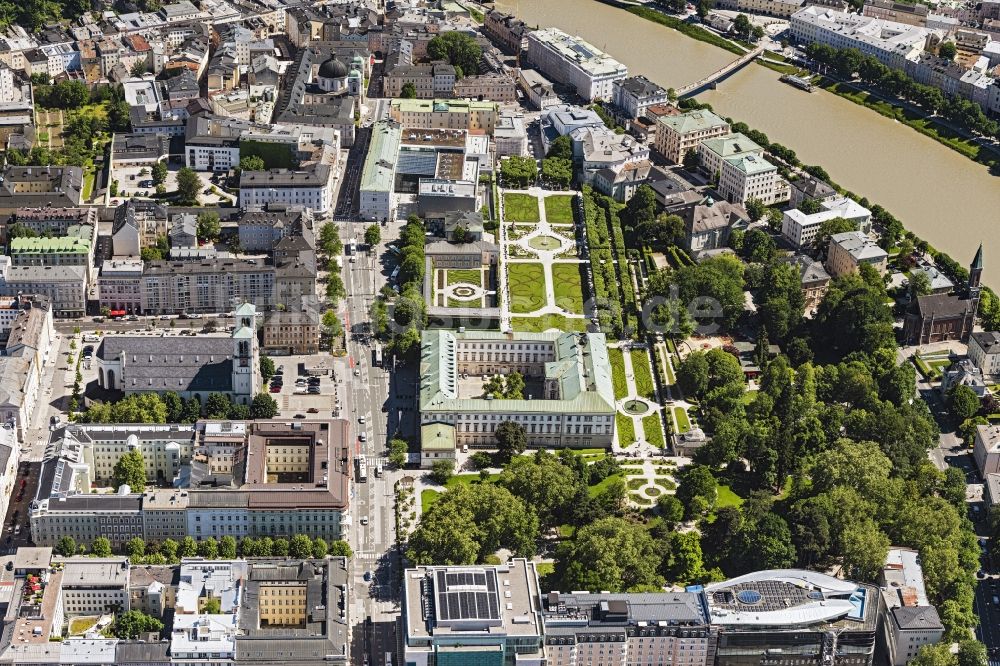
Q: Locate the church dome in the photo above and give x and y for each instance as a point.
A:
(333, 69)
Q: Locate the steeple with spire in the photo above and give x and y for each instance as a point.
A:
(976, 273)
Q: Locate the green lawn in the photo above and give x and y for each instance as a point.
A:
(527, 286)
(545, 322)
(618, 380)
(545, 568)
(596, 490)
(683, 424)
(520, 208)
(626, 429)
(469, 276)
(636, 483)
(654, 430)
(727, 498)
(666, 484)
(642, 373)
(88, 183)
(456, 303)
(427, 499)
(429, 496)
(559, 209)
(567, 283)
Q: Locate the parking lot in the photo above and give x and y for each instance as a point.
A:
(301, 395)
(138, 181)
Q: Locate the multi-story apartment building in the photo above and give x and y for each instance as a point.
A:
(453, 114)
(210, 285)
(260, 493)
(667, 629)
(64, 286)
(119, 286)
(632, 96)
(492, 87)
(574, 62)
(29, 336)
(291, 332)
(573, 407)
(851, 249)
(311, 187)
(428, 81)
(748, 177)
(986, 449)
(40, 187)
(899, 12)
(801, 228)
(506, 30)
(444, 606)
(676, 135)
(53, 221)
(260, 230)
(984, 351)
(779, 8)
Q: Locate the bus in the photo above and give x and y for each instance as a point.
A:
(362, 468)
(377, 356)
(388, 659)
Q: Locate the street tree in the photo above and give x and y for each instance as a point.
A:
(208, 548)
(373, 235)
(397, 452)
(66, 546)
(263, 407)
(320, 548)
(227, 547)
(189, 547)
(135, 548)
(101, 547)
(267, 368)
(159, 173)
(300, 547)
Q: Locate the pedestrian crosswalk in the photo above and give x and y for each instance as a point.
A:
(367, 556)
(375, 461)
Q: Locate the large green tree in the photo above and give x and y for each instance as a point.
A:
(611, 554)
(460, 49)
(134, 623)
(130, 470)
(188, 186)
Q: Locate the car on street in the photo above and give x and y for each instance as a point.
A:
(368, 575)
(361, 420)
(314, 390)
(363, 437)
(164, 317)
(275, 389)
(364, 520)
(312, 410)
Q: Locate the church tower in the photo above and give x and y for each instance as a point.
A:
(976, 273)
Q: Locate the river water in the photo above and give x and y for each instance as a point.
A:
(945, 198)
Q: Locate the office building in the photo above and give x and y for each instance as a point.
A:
(378, 175)
(746, 177)
(851, 249)
(457, 616)
(311, 187)
(792, 617)
(446, 114)
(95, 586)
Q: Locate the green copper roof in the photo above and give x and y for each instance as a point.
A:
(581, 368)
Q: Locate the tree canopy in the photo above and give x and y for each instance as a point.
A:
(459, 49)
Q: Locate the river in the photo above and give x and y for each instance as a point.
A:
(945, 198)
